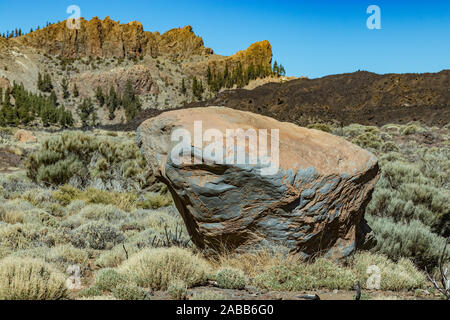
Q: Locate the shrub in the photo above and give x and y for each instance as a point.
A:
(102, 212)
(98, 235)
(394, 276)
(123, 200)
(61, 256)
(411, 240)
(229, 278)
(321, 126)
(90, 292)
(130, 292)
(18, 236)
(368, 140)
(177, 289)
(322, 273)
(155, 201)
(389, 147)
(412, 201)
(411, 129)
(108, 279)
(11, 217)
(113, 162)
(155, 268)
(397, 173)
(30, 279)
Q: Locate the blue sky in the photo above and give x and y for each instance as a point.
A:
(311, 38)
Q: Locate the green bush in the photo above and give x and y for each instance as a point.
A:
(412, 129)
(123, 200)
(394, 276)
(411, 240)
(90, 292)
(177, 289)
(60, 256)
(18, 236)
(155, 268)
(155, 201)
(86, 159)
(321, 126)
(130, 292)
(30, 279)
(98, 235)
(368, 140)
(108, 279)
(230, 278)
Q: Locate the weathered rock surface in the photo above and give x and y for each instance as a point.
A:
(24, 136)
(108, 38)
(139, 75)
(5, 85)
(314, 204)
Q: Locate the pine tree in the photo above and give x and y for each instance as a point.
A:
(53, 98)
(183, 87)
(130, 102)
(75, 91)
(65, 88)
(86, 111)
(100, 97)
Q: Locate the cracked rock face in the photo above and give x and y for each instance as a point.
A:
(313, 204)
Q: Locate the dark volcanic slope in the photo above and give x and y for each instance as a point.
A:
(360, 97)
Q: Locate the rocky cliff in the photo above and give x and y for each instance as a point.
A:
(107, 53)
(108, 38)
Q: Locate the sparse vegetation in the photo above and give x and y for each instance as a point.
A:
(229, 278)
(30, 279)
(156, 268)
(101, 213)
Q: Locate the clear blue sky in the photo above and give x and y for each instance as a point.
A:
(311, 38)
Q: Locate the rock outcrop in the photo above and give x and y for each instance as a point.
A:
(314, 203)
(108, 38)
(5, 85)
(24, 136)
(139, 75)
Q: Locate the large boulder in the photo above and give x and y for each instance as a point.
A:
(312, 203)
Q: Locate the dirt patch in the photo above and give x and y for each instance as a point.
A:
(10, 161)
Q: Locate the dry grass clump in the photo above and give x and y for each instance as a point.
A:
(394, 276)
(60, 256)
(177, 289)
(30, 279)
(321, 274)
(275, 271)
(254, 263)
(124, 200)
(11, 217)
(155, 201)
(155, 268)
